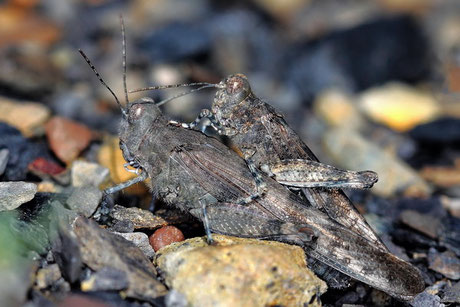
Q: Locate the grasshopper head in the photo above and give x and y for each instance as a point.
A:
(142, 119)
(232, 91)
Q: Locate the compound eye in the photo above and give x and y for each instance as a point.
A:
(238, 87)
(136, 111)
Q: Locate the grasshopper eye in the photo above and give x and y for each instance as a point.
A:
(238, 87)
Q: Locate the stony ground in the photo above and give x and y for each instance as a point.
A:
(367, 84)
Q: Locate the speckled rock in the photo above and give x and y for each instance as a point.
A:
(239, 272)
(15, 193)
(139, 217)
(141, 240)
(86, 173)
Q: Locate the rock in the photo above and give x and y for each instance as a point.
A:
(442, 176)
(452, 294)
(425, 223)
(85, 200)
(338, 109)
(45, 168)
(124, 226)
(26, 116)
(442, 131)
(88, 174)
(67, 138)
(426, 299)
(164, 236)
(47, 276)
(141, 240)
(106, 279)
(3, 159)
(452, 205)
(15, 193)
(66, 252)
(446, 263)
(239, 272)
(399, 106)
(22, 151)
(351, 151)
(100, 248)
(78, 300)
(139, 217)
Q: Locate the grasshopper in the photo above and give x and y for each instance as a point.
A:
(200, 175)
(263, 138)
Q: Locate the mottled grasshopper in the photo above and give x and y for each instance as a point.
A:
(200, 175)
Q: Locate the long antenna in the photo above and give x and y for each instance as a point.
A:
(123, 112)
(162, 87)
(123, 34)
(185, 93)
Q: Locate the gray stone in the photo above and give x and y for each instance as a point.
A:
(426, 299)
(100, 248)
(88, 174)
(446, 263)
(85, 200)
(15, 193)
(3, 159)
(141, 240)
(106, 279)
(139, 217)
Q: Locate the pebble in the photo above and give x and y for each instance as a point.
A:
(67, 138)
(85, 200)
(25, 116)
(88, 174)
(165, 236)
(15, 193)
(338, 109)
(3, 159)
(446, 263)
(452, 294)
(100, 248)
(106, 279)
(442, 131)
(47, 276)
(426, 299)
(43, 167)
(425, 223)
(141, 240)
(78, 300)
(351, 151)
(239, 272)
(452, 205)
(139, 217)
(399, 106)
(442, 176)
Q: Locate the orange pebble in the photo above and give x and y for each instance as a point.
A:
(165, 236)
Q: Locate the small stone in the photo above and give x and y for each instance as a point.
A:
(351, 151)
(139, 217)
(452, 294)
(77, 300)
(67, 138)
(452, 205)
(100, 248)
(26, 116)
(48, 276)
(399, 106)
(239, 272)
(85, 200)
(123, 226)
(15, 193)
(446, 263)
(87, 173)
(442, 176)
(3, 159)
(338, 109)
(425, 299)
(42, 166)
(426, 224)
(165, 236)
(141, 240)
(106, 279)
(445, 130)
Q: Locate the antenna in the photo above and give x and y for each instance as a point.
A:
(123, 34)
(162, 87)
(102, 81)
(185, 93)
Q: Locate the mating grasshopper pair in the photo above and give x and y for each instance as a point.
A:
(245, 197)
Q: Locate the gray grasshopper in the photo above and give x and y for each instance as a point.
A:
(265, 139)
(200, 175)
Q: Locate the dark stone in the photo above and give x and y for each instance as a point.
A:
(449, 234)
(443, 131)
(21, 152)
(451, 294)
(392, 48)
(107, 278)
(67, 255)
